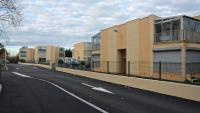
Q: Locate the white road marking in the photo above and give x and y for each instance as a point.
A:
(22, 75)
(73, 95)
(88, 85)
(17, 68)
(35, 67)
(98, 88)
(102, 89)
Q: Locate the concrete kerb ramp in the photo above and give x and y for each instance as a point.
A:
(185, 91)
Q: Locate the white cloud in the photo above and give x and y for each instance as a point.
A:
(65, 22)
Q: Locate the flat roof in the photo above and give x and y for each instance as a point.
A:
(179, 16)
(129, 21)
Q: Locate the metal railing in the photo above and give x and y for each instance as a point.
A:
(177, 35)
(78, 66)
(167, 71)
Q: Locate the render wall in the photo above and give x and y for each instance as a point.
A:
(52, 53)
(109, 50)
(135, 37)
(78, 51)
(30, 54)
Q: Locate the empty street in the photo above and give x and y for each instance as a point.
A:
(30, 89)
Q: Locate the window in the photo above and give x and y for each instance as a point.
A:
(22, 53)
(191, 29)
(88, 46)
(176, 30)
(42, 49)
(61, 54)
(167, 29)
(96, 41)
(166, 32)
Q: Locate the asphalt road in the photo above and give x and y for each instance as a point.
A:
(29, 89)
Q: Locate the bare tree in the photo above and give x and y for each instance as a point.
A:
(10, 13)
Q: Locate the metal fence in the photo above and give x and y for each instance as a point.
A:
(169, 71)
(193, 69)
(166, 71)
(85, 67)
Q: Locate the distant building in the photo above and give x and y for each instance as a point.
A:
(49, 54)
(82, 52)
(40, 54)
(26, 54)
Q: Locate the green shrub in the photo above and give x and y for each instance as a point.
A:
(60, 62)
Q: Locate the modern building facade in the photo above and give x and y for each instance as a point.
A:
(136, 47)
(128, 42)
(82, 52)
(26, 54)
(49, 54)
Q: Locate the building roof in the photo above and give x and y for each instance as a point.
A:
(179, 16)
(197, 17)
(130, 21)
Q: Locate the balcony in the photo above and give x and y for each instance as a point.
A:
(177, 36)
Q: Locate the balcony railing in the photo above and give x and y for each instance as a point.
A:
(177, 35)
(191, 36)
(96, 46)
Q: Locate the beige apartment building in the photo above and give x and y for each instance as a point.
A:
(138, 46)
(82, 52)
(26, 54)
(49, 54)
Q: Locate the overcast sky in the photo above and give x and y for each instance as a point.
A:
(65, 22)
